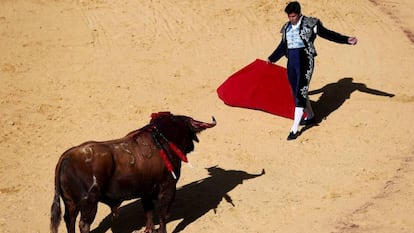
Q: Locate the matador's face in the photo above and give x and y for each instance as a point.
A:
(294, 18)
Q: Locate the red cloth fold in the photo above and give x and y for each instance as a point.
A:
(259, 85)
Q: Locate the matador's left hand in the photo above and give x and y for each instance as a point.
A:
(352, 40)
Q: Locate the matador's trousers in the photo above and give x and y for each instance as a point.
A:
(300, 68)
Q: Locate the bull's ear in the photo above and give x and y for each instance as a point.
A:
(199, 126)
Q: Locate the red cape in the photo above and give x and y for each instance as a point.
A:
(259, 85)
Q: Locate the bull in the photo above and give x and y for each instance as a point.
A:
(144, 164)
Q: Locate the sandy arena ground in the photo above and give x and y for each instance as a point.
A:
(72, 71)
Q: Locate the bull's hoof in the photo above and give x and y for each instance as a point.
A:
(114, 216)
(147, 230)
(153, 231)
(115, 212)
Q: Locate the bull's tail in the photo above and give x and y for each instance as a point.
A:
(56, 211)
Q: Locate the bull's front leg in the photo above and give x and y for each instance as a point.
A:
(165, 199)
(148, 206)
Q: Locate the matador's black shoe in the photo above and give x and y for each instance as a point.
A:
(292, 135)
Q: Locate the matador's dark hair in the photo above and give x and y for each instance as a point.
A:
(293, 7)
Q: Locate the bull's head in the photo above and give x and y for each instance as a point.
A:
(181, 130)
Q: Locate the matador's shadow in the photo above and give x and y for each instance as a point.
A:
(192, 201)
(335, 94)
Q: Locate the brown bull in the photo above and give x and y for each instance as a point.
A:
(144, 164)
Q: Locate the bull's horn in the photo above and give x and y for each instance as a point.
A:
(214, 122)
(198, 125)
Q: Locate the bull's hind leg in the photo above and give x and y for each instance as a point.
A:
(71, 212)
(88, 207)
(88, 214)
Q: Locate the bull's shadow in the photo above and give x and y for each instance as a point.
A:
(192, 201)
(335, 94)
